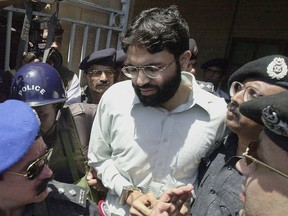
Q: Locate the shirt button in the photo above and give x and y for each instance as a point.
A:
(229, 167)
(212, 191)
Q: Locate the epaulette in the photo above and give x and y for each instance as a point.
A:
(69, 192)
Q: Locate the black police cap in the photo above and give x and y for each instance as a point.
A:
(271, 69)
(101, 57)
(270, 111)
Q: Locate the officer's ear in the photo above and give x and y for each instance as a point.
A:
(184, 60)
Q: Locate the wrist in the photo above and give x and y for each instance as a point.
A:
(126, 192)
(133, 195)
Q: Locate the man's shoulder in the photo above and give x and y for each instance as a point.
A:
(125, 85)
(119, 94)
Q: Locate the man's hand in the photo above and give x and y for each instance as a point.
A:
(174, 201)
(141, 204)
(95, 182)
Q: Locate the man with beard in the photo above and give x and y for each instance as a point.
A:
(100, 74)
(219, 181)
(150, 132)
(25, 177)
(264, 163)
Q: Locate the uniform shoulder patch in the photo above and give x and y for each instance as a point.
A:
(69, 192)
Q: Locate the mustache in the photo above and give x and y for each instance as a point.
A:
(147, 85)
(43, 185)
(234, 108)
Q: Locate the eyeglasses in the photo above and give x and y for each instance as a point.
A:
(36, 167)
(150, 71)
(249, 92)
(95, 72)
(250, 156)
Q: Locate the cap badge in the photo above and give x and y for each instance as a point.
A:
(272, 122)
(277, 68)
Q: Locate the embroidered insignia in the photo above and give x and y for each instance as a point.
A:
(273, 122)
(277, 68)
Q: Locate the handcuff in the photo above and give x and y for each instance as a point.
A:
(126, 192)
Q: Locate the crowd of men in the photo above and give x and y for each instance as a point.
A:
(146, 138)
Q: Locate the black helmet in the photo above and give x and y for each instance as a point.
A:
(38, 84)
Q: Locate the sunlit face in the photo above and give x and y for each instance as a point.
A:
(265, 192)
(99, 78)
(240, 124)
(18, 189)
(154, 91)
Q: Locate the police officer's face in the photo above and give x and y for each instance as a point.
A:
(99, 78)
(214, 75)
(240, 124)
(265, 192)
(20, 190)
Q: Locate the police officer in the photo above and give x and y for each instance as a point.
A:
(40, 86)
(265, 161)
(25, 185)
(100, 74)
(214, 71)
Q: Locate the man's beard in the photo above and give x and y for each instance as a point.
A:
(163, 93)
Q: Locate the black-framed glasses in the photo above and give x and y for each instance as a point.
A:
(98, 73)
(250, 155)
(248, 94)
(150, 71)
(36, 167)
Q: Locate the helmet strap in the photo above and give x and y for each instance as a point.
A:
(58, 115)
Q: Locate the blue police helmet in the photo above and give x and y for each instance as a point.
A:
(38, 84)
